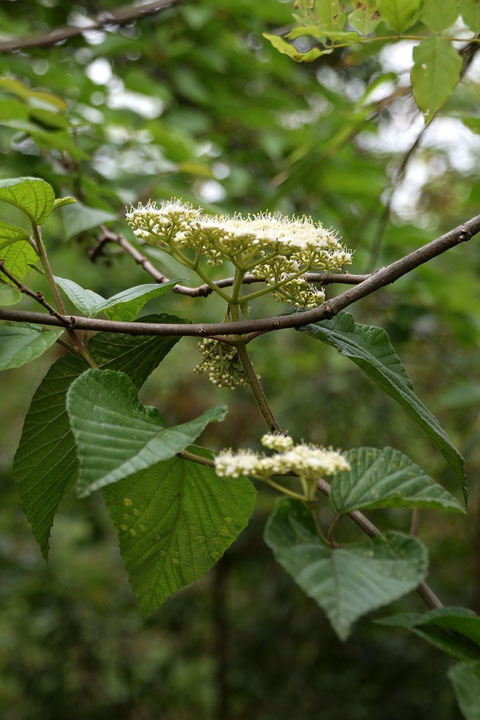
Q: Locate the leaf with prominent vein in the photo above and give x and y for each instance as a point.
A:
(465, 678)
(386, 478)
(174, 521)
(18, 258)
(33, 196)
(347, 581)
(369, 347)
(84, 300)
(116, 435)
(454, 630)
(11, 233)
(46, 459)
(435, 74)
(22, 342)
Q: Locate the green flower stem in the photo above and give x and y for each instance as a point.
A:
(282, 489)
(237, 286)
(186, 455)
(42, 253)
(181, 258)
(257, 389)
(273, 288)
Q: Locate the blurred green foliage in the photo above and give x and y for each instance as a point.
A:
(193, 102)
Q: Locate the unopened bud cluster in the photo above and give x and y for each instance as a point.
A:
(272, 247)
(307, 461)
(222, 364)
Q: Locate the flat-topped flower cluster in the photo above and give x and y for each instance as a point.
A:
(307, 461)
(272, 247)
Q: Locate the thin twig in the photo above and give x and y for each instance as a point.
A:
(381, 278)
(37, 296)
(106, 18)
(415, 522)
(423, 590)
(257, 389)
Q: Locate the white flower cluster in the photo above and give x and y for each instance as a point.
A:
(222, 364)
(306, 461)
(272, 247)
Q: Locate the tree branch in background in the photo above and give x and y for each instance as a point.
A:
(117, 16)
(329, 308)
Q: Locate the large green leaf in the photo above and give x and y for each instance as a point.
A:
(439, 15)
(470, 11)
(9, 295)
(33, 196)
(348, 581)
(465, 678)
(22, 342)
(78, 218)
(124, 305)
(386, 478)
(46, 460)
(400, 14)
(435, 74)
(369, 347)
(364, 21)
(174, 521)
(11, 233)
(18, 258)
(116, 435)
(456, 631)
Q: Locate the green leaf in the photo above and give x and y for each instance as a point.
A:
(386, 478)
(18, 258)
(33, 196)
(472, 123)
(22, 342)
(455, 631)
(320, 33)
(9, 295)
(465, 678)
(34, 97)
(363, 21)
(286, 48)
(439, 16)
(435, 74)
(84, 300)
(116, 435)
(369, 347)
(470, 11)
(400, 14)
(11, 233)
(61, 202)
(46, 459)
(78, 218)
(127, 304)
(174, 521)
(348, 581)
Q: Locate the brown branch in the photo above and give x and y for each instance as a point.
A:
(37, 296)
(423, 590)
(118, 16)
(328, 309)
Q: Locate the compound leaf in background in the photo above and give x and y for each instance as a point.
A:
(347, 581)
(470, 12)
(386, 478)
(399, 14)
(33, 196)
(439, 16)
(174, 521)
(435, 74)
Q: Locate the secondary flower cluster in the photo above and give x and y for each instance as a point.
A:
(222, 364)
(306, 461)
(274, 248)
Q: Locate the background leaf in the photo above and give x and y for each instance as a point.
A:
(22, 342)
(369, 347)
(78, 218)
(400, 14)
(174, 521)
(386, 478)
(9, 295)
(347, 581)
(470, 11)
(465, 678)
(116, 435)
(439, 16)
(435, 74)
(456, 631)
